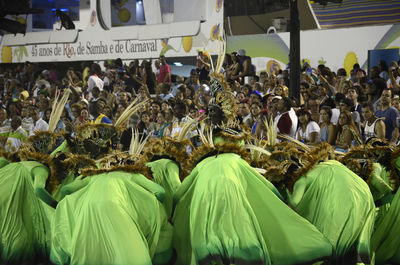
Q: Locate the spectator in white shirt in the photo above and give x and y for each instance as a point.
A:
(16, 136)
(179, 82)
(308, 130)
(38, 123)
(165, 92)
(27, 121)
(94, 80)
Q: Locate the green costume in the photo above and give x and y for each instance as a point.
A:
(381, 190)
(385, 241)
(226, 212)
(24, 218)
(111, 218)
(166, 174)
(339, 203)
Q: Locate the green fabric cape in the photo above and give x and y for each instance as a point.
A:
(227, 212)
(25, 220)
(115, 218)
(340, 204)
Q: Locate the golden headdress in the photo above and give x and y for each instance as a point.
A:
(56, 167)
(76, 163)
(96, 140)
(360, 159)
(221, 93)
(46, 141)
(130, 161)
(288, 163)
(174, 149)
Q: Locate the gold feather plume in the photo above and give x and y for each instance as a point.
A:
(57, 110)
(129, 111)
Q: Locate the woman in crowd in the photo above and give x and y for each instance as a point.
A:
(308, 130)
(83, 117)
(190, 94)
(144, 125)
(347, 133)
(281, 90)
(149, 77)
(234, 69)
(255, 110)
(76, 111)
(247, 89)
(169, 117)
(278, 91)
(181, 94)
(327, 129)
(46, 115)
(160, 128)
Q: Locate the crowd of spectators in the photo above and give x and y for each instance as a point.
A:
(343, 109)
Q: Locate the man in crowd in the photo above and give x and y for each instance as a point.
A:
(95, 111)
(165, 92)
(179, 82)
(164, 76)
(16, 136)
(373, 127)
(352, 93)
(347, 104)
(178, 122)
(246, 66)
(389, 115)
(38, 123)
(94, 80)
(27, 121)
(244, 107)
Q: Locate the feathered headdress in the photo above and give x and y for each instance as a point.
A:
(57, 110)
(45, 141)
(55, 166)
(221, 93)
(288, 163)
(76, 162)
(95, 140)
(174, 149)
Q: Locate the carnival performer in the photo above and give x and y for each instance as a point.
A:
(26, 202)
(166, 158)
(329, 195)
(226, 212)
(115, 211)
(375, 163)
(385, 241)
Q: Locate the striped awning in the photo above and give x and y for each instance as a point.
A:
(354, 13)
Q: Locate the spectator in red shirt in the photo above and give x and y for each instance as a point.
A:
(164, 76)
